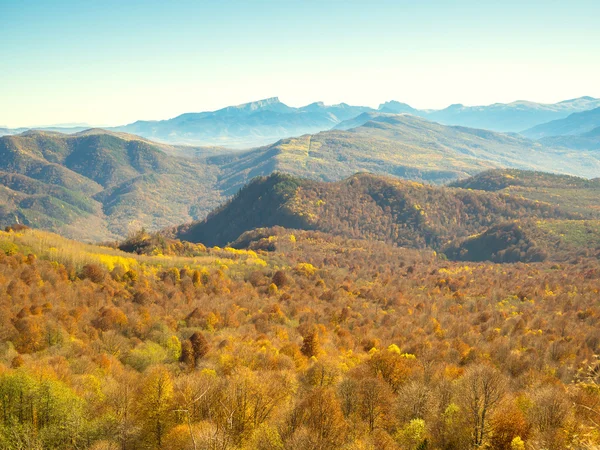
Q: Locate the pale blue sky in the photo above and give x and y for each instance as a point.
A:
(112, 62)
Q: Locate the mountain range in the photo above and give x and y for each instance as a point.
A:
(248, 125)
(98, 184)
(266, 121)
(574, 124)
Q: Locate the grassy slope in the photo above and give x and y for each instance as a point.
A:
(572, 194)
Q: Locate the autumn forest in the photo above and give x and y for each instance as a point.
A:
(296, 339)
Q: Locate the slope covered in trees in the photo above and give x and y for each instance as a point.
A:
(98, 185)
(404, 146)
(530, 241)
(322, 342)
(573, 194)
(365, 206)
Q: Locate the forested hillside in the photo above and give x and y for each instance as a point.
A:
(404, 146)
(365, 206)
(573, 194)
(98, 185)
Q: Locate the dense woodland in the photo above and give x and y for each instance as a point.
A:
(501, 216)
(302, 340)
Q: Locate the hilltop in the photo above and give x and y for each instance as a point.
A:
(365, 206)
(573, 194)
(530, 241)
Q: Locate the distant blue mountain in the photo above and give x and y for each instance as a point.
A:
(248, 125)
(266, 121)
(584, 141)
(575, 124)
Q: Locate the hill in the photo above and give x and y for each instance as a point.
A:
(535, 240)
(531, 241)
(363, 118)
(95, 184)
(365, 206)
(584, 141)
(572, 194)
(574, 124)
(404, 146)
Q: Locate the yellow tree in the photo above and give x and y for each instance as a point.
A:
(156, 403)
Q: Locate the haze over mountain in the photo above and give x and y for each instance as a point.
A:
(585, 141)
(515, 116)
(99, 184)
(248, 125)
(266, 121)
(574, 124)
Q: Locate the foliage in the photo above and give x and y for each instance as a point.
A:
(378, 347)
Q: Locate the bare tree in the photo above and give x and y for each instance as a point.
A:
(482, 388)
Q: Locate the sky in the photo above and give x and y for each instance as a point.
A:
(113, 62)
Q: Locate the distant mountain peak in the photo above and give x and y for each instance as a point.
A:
(396, 107)
(585, 97)
(258, 103)
(266, 104)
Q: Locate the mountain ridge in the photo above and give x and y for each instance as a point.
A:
(116, 183)
(575, 124)
(367, 206)
(268, 120)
